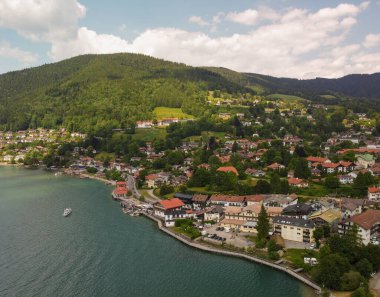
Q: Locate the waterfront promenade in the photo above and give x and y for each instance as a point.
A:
(197, 245)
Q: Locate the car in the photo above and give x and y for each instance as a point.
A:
(221, 228)
(312, 246)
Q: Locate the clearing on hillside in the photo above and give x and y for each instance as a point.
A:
(167, 112)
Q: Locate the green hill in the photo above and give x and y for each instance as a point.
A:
(95, 93)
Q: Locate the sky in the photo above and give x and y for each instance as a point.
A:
(284, 38)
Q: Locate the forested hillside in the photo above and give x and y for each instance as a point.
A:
(94, 93)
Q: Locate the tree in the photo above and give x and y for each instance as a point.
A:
(350, 280)
(262, 224)
(364, 267)
(332, 182)
(235, 147)
(301, 169)
(262, 187)
(166, 189)
(200, 178)
(318, 235)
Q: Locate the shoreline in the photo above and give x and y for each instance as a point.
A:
(199, 246)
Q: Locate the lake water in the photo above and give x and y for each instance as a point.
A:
(99, 251)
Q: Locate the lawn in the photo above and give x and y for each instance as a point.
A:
(313, 190)
(149, 134)
(285, 97)
(167, 112)
(296, 256)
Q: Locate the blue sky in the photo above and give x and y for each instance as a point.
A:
(302, 39)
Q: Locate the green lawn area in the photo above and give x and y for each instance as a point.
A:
(285, 97)
(167, 112)
(296, 256)
(328, 96)
(314, 190)
(149, 134)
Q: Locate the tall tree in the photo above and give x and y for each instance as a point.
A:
(262, 224)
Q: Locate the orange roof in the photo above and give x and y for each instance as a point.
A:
(295, 181)
(171, 203)
(228, 169)
(254, 198)
(151, 176)
(227, 198)
(367, 219)
(316, 159)
(120, 191)
(330, 165)
(121, 184)
(275, 166)
(373, 190)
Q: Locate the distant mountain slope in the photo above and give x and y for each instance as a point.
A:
(101, 92)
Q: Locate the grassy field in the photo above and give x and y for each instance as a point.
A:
(296, 256)
(285, 97)
(314, 190)
(149, 134)
(167, 112)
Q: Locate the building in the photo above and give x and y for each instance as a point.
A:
(298, 182)
(299, 210)
(365, 160)
(121, 191)
(170, 210)
(227, 200)
(374, 194)
(294, 229)
(329, 217)
(368, 224)
(199, 201)
(254, 199)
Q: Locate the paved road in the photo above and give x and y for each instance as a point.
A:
(132, 186)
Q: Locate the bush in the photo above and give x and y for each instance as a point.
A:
(350, 280)
(273, 255)
(260, 243)
(166, 189)
(91, 170)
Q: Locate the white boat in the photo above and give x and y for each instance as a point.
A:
(67, 212)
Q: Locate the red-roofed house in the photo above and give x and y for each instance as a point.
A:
(311, 160)
(276, 166)
(368, 223)
(170, 210)
(374, 194)
(228, 169)
(121, 191)
(297, 182)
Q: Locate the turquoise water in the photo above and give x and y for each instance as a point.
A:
(99, 251)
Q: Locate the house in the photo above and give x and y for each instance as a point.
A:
(199, 201)
(346, 179)
(214, 213)
(351, 207)
(299, 210)
(170, 210)
(294, 229)
(157, 179)
(121, 191)
(329, 217)
(374, 194)
(255, 172)
(365, 160)
(254, 199)
(280, 200)
(311, 160)
(228, 169)
(227, 200)
(185, 198)
(276, 166)
(368, 224)
(297, 182)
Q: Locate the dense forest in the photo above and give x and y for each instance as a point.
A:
(93, 93)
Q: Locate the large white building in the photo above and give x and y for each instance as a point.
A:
(294, 229)
(368, 224)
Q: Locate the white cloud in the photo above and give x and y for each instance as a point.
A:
(372, 40)
(247, 17)
(24, 57)
(198, 20)
(42, 19)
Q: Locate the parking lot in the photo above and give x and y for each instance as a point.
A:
(238, 240)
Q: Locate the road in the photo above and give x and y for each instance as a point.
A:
(132, 186)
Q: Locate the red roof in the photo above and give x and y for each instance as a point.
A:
(330, 165)
(295, 181)
(254, 198)
(151, 176)
(120, 191)
(316, 159)
(228, 169)
(367, 219)
(275, 166)
(121, 184)
(171, 203)
(227, 198)
(373, 190)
